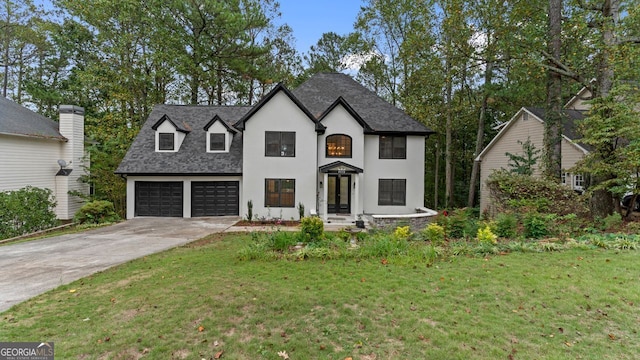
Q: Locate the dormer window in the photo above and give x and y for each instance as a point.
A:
(219, 135)
(217, 142)
(166, 141)
(169, 134)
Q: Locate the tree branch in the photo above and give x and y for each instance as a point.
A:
(586, 6)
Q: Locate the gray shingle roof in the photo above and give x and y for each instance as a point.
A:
(18, 120)
(192, 158)
(569, 126)
(319, 92)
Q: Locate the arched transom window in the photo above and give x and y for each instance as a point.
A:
(339, 146)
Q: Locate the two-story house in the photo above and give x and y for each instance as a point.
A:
(330, 145)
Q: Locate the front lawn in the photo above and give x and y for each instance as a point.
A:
(201, 301)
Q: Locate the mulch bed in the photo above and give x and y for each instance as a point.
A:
(268, 223)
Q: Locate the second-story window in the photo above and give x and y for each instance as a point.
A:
(393, 147)
(280, 143)
(338, 146)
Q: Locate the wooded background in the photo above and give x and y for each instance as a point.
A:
(460, 67)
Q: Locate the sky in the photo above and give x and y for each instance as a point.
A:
(309, 19)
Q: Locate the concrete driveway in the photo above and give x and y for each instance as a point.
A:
(34, 267)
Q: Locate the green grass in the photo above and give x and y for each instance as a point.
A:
(574, 304)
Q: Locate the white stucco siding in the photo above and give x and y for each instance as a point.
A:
(279, 114)
(339, 121)
(411, 169)
(186, 190)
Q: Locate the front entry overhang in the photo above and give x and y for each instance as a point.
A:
(340, 168)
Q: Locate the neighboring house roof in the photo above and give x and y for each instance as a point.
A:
(18, 120)
(192, 157)
(322, 90)
(569, 128)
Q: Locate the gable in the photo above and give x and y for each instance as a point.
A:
(279, 89)
(320, 92)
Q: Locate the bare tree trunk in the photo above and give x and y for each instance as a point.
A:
(448, 171)
(602, 201)
(436, 176)
(553, 116)
(475, 171)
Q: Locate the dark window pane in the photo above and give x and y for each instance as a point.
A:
(399, 147)
(386, 147)
(280, 192)
(165, 141)
(393, 147)
(288, 147)
(280, 143)
(216, 142)
(392, 191)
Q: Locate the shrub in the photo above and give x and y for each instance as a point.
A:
(506, 225)
(434, 233)
(535, 226)
(311, 228)
(96, 212)
(523, 194)
(402, 232)
(250, 211)
(25, 211)
(461, 223)
(612, 222)
(300, 210)
(486, 236)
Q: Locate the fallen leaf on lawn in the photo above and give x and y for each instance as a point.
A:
(216, 343)
(514, 340)
(283, 354)
(107, 339)
(384, 261)
(86, 319)
(348, 358)
(218, 355)
(362, 280)
(568, 344)
(200, 328)
(72, 291)
(612, 337)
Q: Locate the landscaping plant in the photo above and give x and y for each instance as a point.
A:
(26, 210)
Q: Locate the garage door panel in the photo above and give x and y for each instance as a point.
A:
(215, 198)
(159, 198)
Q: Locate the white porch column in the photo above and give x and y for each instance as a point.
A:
(325, 185)
(356, 191)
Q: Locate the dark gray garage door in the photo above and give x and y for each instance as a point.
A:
(159, 198)
(215, 198)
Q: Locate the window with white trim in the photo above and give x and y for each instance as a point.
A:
(217, 142)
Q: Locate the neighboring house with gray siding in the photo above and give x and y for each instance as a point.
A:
(31, 146)
(331, 145)
(528, 124)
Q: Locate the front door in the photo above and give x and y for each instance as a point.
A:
(339, 194)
